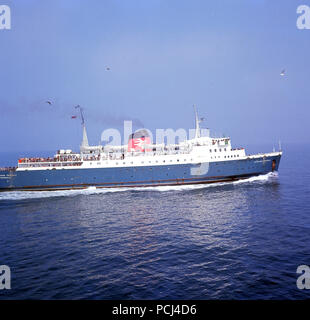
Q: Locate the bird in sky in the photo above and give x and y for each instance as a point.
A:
(107, 68)
(282, 73)
(49, 102)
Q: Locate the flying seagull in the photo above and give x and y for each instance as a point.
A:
(282, 73)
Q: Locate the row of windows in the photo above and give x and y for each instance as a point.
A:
(234, 156)
(178, 160)
(142, 162)
(220, 150)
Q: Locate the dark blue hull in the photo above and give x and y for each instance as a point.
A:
(179, 174)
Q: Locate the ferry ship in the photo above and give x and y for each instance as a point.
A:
(200, 160)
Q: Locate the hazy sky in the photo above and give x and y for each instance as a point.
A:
(164, 56)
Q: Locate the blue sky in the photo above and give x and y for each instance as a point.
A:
(165, 56)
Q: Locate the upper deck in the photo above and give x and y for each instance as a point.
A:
(191, 151)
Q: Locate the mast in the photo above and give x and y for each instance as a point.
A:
(85, 139)
(197, 127)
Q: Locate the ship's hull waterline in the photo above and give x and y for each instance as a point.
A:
(138, 176)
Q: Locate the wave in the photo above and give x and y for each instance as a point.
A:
(23, 195)
(271, 176)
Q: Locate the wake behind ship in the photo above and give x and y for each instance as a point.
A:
(200, 160)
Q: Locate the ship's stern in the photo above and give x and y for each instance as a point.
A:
(6, 179)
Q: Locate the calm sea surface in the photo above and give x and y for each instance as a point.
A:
(240, 240)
